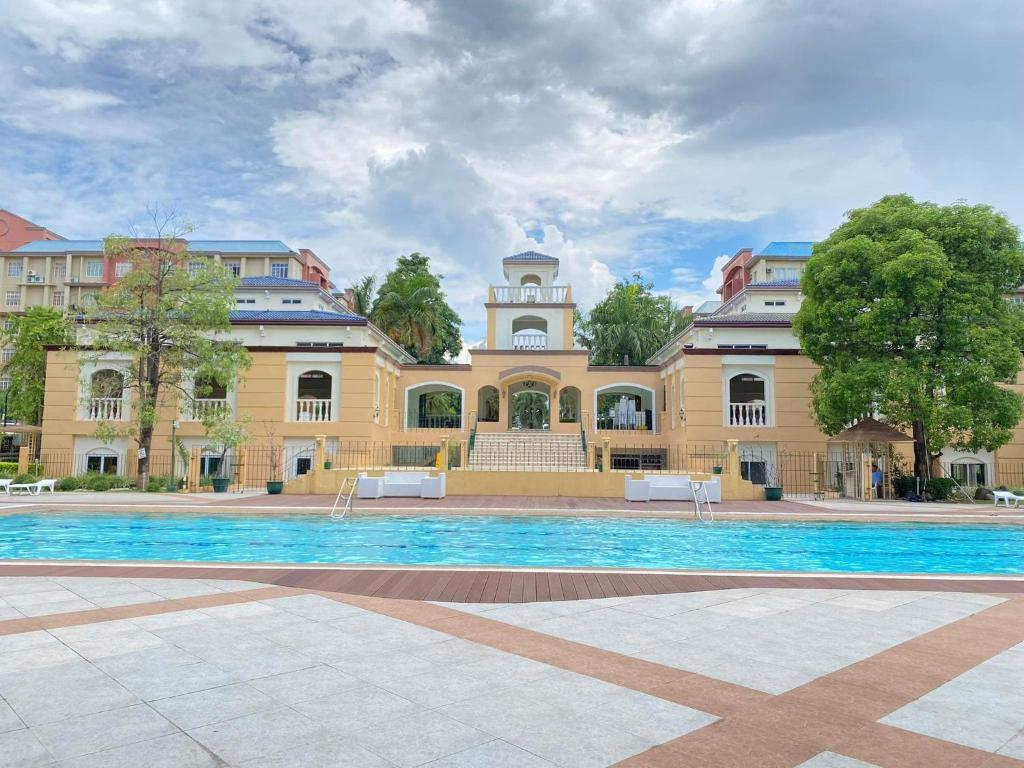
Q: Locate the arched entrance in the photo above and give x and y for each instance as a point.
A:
(529, 405)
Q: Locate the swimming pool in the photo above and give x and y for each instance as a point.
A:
(518, 541)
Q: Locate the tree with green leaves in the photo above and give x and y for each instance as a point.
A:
(29, 335)
(906, 310)
(168, 319)
(226, 434)
(411, 308)
(362, 295)
(630, 324)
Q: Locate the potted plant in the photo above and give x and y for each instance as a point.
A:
(716, 470)
(772, 483)
(226, 434)
(276, 484)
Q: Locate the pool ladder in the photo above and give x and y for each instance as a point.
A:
(701, 507)
(347, 484)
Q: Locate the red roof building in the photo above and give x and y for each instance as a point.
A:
(16, 231)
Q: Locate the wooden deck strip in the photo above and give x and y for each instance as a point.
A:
(501, 586)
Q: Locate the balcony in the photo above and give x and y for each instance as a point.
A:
(530, 294)
(748, 414)
(209, 407)
(313, 410)
(530, 341)
(106, 409)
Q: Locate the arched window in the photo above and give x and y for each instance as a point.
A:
(209, 388)
(530, 280)
(748, 405)
(107, 383)
(106, 396)
(569, 405)
(488, 404)
(625, 406)
(529, 332)
(313, 396)
(433, 405)
(101, 460)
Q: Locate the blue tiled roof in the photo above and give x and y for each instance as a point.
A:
(277, 282)
(60, 246)
(794, 249)
(774, 283)
(198, 246)
(311, 316)
(531, 256)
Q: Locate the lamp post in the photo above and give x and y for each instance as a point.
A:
(174, 449)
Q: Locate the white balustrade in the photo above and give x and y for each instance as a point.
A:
(312, 410)
(530, 341)
(748, 414)
(531, 294)
(209, 407)
(106, 409)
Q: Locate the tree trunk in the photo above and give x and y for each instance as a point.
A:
(149, 402)
(921, 458)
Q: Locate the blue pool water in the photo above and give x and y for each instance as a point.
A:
(519, 541)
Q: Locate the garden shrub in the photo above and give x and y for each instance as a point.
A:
(72, 483)
(25, 478)
(939, 488)
(160, 483)
(904, 484)
(8, 468)
(93, 481)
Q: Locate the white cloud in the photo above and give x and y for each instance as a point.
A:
(615, 136)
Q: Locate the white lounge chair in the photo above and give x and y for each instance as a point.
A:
(1005, 497)
(33, 489)
(5, 485)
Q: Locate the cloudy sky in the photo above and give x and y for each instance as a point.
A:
(618, 136)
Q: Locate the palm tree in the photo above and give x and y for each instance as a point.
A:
(362, 295)
(631, 324)
(409, 313)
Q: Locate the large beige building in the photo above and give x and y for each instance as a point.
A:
(529, 399)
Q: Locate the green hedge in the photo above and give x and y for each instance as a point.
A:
(94, 481)
(9, 469)
(939, 488)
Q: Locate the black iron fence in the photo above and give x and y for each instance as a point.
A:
(706, 458)
(1009, 474)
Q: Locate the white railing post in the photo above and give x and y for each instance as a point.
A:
(203, 407)
(530, 294)
(106, 409)
(313, 410)
(748, 414)
(529, 341)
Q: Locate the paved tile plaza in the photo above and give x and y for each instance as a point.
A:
(105, 671)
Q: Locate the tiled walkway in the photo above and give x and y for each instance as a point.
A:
(185, 673)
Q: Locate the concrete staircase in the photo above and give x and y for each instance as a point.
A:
(528, 451)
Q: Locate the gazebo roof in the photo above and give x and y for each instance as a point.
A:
(870, 430)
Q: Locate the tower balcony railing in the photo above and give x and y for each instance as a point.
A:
(533, 342)
(531, 294)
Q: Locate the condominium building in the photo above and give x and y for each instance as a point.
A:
(736, 373)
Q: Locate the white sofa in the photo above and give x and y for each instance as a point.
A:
(668, 488)
(419, 484)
